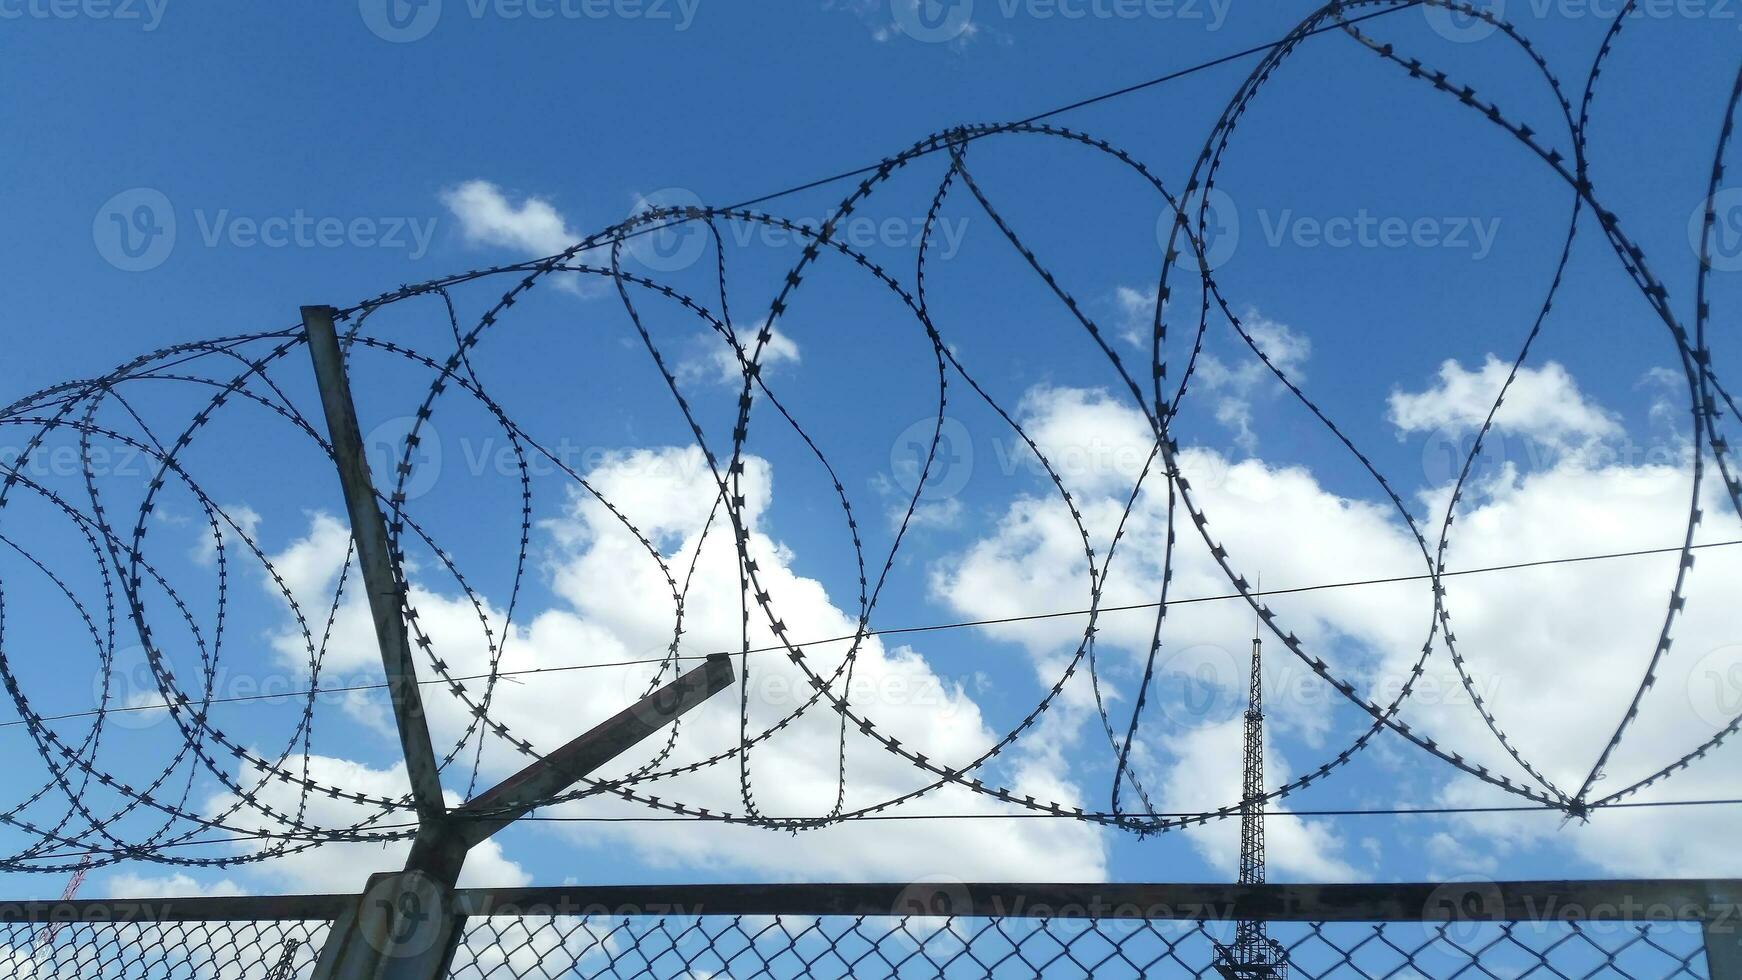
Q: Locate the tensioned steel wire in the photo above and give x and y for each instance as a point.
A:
(126, 593)
(522, 672)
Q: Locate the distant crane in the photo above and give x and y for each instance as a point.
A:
(46, 937)
(1254, 955)
(77, 879)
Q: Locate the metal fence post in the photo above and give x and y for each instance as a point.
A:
(1723, 951)
(399, 923)
(405, 925)
(1721, 929)
(375, 559)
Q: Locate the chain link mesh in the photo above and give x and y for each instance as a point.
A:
(666, 947)
(275, 950)
(781, 947)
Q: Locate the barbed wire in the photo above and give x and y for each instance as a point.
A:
(128, 595)
(1433, 811)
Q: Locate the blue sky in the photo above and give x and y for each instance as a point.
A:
(1382, 243)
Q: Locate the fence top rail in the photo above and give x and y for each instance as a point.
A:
(1693, 899)
(237, 908)
(1711, 900)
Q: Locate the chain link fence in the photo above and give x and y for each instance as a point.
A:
(1686, 930)
(161, 950)
(666, 948)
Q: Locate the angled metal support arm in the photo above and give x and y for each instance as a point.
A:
(406, 925)
(513, 797)
(369, 530)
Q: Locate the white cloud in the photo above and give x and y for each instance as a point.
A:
(1136, 315)
(1555, 651)
(1232, 388)
(205, 553)
(1034, 560)
(1231, 383)
(1544, 403)
(1669, 395)
(945, 513)
(1098, 444)
(1453, 858)
(177, 885)
(1566, 647)
(612, 610)
(534, 227)
(1203, 774)
(488, 217)
(718, 362)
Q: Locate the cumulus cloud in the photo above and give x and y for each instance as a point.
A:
(488, 217)
(1452, 857)
(1555, 652)
(1233, 386)
(718, 362)
(533, 227)
(127, 885)
(1567, 647)
(1034, 559)
(1203, 774)
(613, 605)
(1544, 403)
(1231, 381)
(1135, 314)
(205, 553)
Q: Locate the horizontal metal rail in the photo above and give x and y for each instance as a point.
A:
(1710, 900)
(244, 908)
(1713, 901)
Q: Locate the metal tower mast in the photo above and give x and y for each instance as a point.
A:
(285, 968)
(1253, 954)
(45, 938)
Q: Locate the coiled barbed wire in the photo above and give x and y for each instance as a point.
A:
(132, 599)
